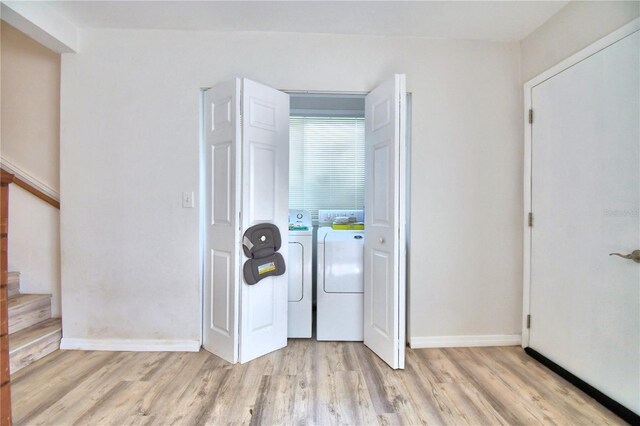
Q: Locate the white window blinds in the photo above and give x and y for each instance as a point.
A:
(326, 164)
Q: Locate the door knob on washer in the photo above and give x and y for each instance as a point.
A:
(381, 239)
(634, 255)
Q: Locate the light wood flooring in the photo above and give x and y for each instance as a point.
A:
(308, 382)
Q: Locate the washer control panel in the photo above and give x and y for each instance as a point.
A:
(327, 217)
(299, 220)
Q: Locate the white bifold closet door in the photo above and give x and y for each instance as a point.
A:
(247, 183)
(385, 250)
(584, 303)
(247, 170)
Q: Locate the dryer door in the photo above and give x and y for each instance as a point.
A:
(344, 262)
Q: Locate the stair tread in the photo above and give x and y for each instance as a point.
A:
(24, 337)
(25, 299)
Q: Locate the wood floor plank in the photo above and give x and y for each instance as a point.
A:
(307, 383)
(197, 400)
(389, 419)
(429, 393)
(425, 393)
(277, 400)
(112, 406)
(399, 395)
(352, 402)
(369, 366)
(537, 390)
(328, 412)
(471, 407)
(207, 396)
(88, 393)
(306, 398)
(515, 407)
(168, 385)
(55, 376)
(239, 393)
(441, 367)
(576, 405)
(515, 384)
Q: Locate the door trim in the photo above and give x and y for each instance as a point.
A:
(583, 54)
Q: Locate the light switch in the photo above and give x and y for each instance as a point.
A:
(187, 200)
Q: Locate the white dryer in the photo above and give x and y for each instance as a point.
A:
(300, 276)
(340, 273)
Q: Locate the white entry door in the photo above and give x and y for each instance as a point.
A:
(584, 303)
(385, 251)
(247, 174)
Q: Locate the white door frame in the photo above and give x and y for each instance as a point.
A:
(202, 173)
(588, 51)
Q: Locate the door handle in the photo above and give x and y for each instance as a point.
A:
(634, 255)
(381, 239)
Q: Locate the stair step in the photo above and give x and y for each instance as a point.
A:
(26, 310)
(34, 342)
(13, 284)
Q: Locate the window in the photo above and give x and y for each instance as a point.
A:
(326, 163)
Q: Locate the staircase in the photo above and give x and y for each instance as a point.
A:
(32, 332)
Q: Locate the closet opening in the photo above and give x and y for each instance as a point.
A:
(326, 216)
(330, 169)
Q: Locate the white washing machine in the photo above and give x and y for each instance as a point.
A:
(300, 276)
(340, 273)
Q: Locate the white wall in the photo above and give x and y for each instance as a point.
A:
(34, 245)
(576, 26)
(30, 142)
(129, 147)
(30, 106)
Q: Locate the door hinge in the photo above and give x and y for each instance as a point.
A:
(530, 220)
(530, 116)
(528, 321)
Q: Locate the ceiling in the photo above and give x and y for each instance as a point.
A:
(477, 20)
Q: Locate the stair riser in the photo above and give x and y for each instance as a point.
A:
(13, 284)
(13, 290)
(26, 355)
(28, 315)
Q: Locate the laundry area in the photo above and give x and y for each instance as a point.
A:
(326, 247)
(329, 295)
(305, 218)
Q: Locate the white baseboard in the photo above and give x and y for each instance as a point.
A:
(465, 341)
(140, 345)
